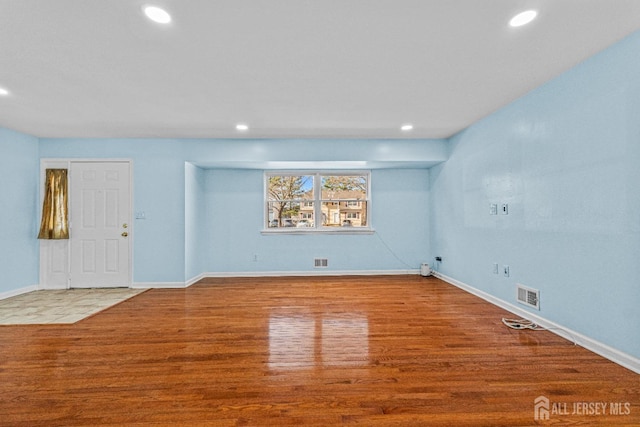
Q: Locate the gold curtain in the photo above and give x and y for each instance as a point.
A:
(55, 210)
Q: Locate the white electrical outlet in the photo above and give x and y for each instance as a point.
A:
(493, 209)
(495, 268)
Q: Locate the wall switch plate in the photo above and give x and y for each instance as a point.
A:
(493, 209)
(141, 215)
(505, 269)
(495, 268)
(505, 209)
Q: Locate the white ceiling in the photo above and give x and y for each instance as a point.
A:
(287, 68)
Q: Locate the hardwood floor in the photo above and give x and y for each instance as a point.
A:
(371, 351)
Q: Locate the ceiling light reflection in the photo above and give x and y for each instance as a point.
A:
(523, 18)
(157, 14)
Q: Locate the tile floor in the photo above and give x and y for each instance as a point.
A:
(60, 306)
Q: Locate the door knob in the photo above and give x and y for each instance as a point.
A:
(124, 234)
(124, 225)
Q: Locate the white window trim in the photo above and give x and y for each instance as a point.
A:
(317, 212)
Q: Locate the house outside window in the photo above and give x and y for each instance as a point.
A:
(317, 201)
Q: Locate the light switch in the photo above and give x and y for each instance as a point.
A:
(141, 215)
(505, 209)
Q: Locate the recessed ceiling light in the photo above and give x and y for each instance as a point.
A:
(523, 18)
(242, 127)
(157, 14)
(407, 127)
(3, 91)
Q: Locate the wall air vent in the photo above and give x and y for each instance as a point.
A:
(320, 263)
(528, 296)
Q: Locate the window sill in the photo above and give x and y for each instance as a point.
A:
(288, 231)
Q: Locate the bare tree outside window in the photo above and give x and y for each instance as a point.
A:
(285, 194)
(345, 183)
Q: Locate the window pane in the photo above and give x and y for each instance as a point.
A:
(341, 200)
(283, 214)
(344, 187)
(339, 214)
(293, 187)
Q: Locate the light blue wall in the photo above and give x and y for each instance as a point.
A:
(235, 217)
(566, 158)
(19, 257)
(194, 217)
(300, 153)
(167, 192)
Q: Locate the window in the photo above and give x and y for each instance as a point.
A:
(318, 201)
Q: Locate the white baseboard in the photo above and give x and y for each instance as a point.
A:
(16, 292)
(158, 285)
(319, 272)
(194, 280)
(616, 356)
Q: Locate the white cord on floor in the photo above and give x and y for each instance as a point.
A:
(521, 324)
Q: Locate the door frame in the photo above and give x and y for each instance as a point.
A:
(55, 255)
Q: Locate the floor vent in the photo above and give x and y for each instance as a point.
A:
(320, 262)
(528, 296)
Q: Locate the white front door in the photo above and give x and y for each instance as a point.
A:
(100, 215)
